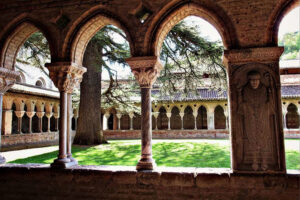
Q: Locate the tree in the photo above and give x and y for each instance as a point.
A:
(291, 43)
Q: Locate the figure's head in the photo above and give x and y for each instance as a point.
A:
(254, 79)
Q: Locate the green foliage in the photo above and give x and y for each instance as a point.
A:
(291, 43)
(171, 153)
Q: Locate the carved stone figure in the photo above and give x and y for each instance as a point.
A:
(257, 111)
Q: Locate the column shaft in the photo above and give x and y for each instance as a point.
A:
(30, 125)
(2, 159)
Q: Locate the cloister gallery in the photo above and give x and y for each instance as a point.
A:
(259, 109)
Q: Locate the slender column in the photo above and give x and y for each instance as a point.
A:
(284, 112)
(69, 128)
(155, 114)
(119, 120)
(105, 121)
(195, 114)
(40, 115)
(48, 115)
(169, 120)
(181, 116)
(254, 87)
(211, 119)
(75, 120)
(145, 70)
(131, 115)
(30, 115)
(298, 111)
(7, 79)
(19, 115)
(65, 76)
(56, 116)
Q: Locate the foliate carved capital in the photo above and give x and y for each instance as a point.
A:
(30, 114)
(119, 115)
(19, 114)
(7, 79)
(250, 55)
(49, 114)
(40, 114)
(65, 76)
(145, 69)
(56, 115)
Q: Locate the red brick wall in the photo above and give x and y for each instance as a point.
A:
(40, 182)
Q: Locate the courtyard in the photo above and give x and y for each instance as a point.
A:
(201, 153)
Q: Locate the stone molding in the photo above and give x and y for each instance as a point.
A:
(145, 69)
(65, 76)
(49, 114)
(261, 54)
(7, 79)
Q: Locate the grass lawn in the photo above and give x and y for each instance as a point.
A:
(171, 153)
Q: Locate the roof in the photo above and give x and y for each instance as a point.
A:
(289, 91)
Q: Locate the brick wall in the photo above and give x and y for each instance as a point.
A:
(107, 182)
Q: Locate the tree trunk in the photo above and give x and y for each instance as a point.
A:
(89, 122)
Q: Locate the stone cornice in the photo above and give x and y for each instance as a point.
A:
(7, 79)
(261, 54)
(65, 76)
(145, 69)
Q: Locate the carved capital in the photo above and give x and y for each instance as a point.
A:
(40, 114)
(66, 76)
(7, 79)
(155, 114)
(119, 115)
(56, 115)
(131, 115)
(145, 69)
(49, 114)
(30, 114)
(250, 55)
(19, 114)
(181, 114)
(169, 114)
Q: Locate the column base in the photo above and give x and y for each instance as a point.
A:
(2, 160)
(73, 160)
(146, 164)
(63, 163)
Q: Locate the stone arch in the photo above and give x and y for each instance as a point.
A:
(188, 118)
(162, 119)
(83, 30)
(40, 82)
(275, 19)
(219, 118)
(21, 78)
(292, 117)
(156, 36)
(15, 37)
(175, 118)
(202, 118)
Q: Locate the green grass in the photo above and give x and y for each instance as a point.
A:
(166, 153)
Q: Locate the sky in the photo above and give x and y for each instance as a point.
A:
(290, 23)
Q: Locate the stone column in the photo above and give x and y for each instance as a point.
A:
(145, 70)
(76, 115)
(40, 115)
(30, 116)
(255, 110)
(181, 116)
(155, 114)
(69, 129)
(7, 122)
(7, 79)
(56, 116)
(169, 120)
(298, 111)
(195, 114)
(48, 115)
(65, 76)
(105, 120)
(284, 112)
(119, 115)
(19, 115)
(131, 115)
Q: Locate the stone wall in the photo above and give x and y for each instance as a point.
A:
(167, 134)
(103, 182)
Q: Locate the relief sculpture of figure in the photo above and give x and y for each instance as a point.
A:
(256, 109)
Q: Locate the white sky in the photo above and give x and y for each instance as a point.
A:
(290, 23)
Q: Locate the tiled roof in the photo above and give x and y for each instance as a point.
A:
(291, 91)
